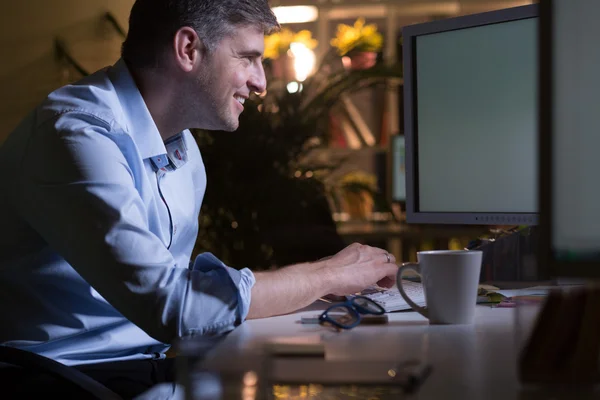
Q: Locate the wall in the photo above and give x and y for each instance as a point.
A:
(29, 68)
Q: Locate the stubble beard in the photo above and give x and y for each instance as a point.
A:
(221, 116)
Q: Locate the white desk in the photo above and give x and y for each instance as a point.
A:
(469, 362)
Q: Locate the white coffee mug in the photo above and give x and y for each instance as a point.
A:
(450, 280)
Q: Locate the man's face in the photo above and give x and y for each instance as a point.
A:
(228, 76)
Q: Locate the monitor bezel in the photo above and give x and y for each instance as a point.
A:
(409, 35)
(546, 256)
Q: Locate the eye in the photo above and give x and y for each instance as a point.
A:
(255, 59)
(246, 60)
(251, 59)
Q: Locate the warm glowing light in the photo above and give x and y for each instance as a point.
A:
(250, 378)
(296, 14)
(294, 87)
(249, 393)
(304, 60)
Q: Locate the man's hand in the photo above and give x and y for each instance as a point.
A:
(351, 270)
(359, 266)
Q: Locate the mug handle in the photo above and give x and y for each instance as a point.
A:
(417, 268)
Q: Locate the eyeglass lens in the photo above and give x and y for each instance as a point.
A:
(342, 315)
(367, 305)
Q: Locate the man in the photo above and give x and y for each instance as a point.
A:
(102, 188)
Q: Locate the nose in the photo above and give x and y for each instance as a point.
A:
(257, 82)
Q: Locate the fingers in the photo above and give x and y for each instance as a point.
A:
(386, 282)
(379, 256)
(366, 248)
(389, 269)
(333, 298)
(359, 266)
(375, 251)
(389, 258)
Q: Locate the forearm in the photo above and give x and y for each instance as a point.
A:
(288, 289)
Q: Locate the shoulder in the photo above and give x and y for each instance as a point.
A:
(92, 100)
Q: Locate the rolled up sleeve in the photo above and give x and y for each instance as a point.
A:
(231, 294)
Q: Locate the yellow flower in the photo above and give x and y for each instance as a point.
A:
(278, 43)
(359, 37)
(272, 46)
(305, 37)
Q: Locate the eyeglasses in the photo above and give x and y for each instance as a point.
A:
(347, 315)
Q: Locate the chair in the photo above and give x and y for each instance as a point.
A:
(36, 363)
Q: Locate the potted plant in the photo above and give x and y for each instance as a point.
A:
(360, 43)
(358, 189)
(279, 51)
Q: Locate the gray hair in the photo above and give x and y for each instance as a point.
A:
(153, 24)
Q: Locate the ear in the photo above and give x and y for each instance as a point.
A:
(188, 48)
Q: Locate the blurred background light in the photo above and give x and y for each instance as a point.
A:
(304, 60)
(296, 14)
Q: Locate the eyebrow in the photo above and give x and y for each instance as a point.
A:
(254, 53)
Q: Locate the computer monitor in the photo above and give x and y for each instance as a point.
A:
(470, 114)
(398, 169)
(569, 138)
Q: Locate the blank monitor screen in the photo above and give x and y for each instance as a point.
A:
(571, 127)
(471, 118)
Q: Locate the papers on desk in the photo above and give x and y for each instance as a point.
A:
(391, 300)
(532, 291)
(510, 297)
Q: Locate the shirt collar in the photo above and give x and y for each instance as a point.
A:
(138, 121)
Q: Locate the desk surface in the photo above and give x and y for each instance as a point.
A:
(469, 362)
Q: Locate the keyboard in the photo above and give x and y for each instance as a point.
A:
(391, 300)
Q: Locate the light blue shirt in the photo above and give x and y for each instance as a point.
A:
(99, 219)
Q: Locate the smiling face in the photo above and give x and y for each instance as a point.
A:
(226, 77)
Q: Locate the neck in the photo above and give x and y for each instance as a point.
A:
(158, 89)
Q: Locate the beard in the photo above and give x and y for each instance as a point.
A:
(209, 107)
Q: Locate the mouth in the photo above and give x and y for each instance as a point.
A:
(240, 99)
